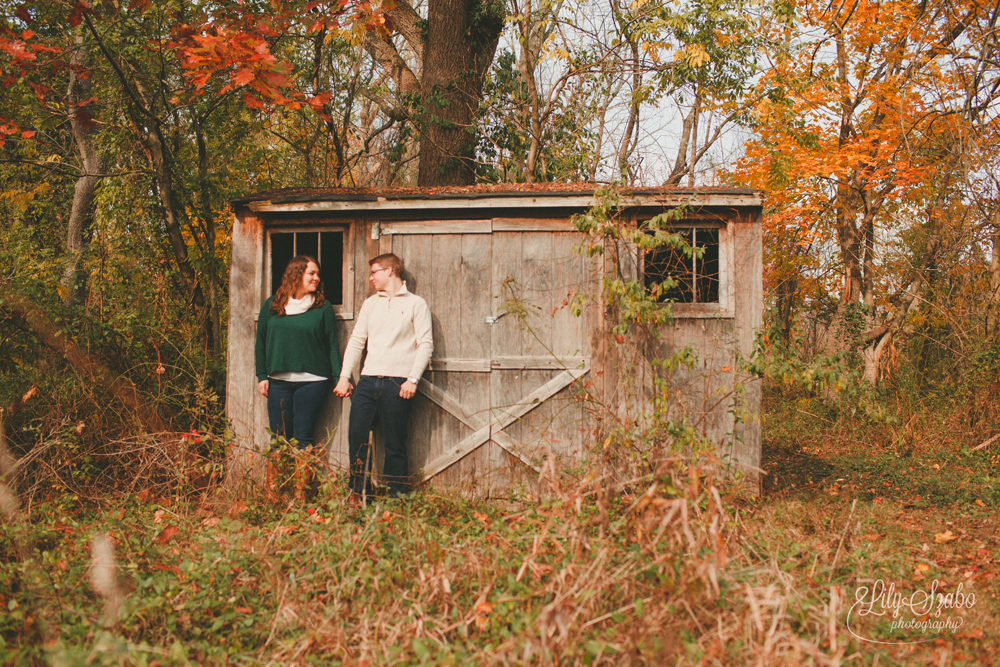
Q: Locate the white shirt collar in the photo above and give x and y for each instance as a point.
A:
(402, 291)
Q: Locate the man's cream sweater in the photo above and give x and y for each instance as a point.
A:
(397, 330)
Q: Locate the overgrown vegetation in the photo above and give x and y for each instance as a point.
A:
(669, 569)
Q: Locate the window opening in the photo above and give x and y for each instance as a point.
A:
(697, 278)
(328, 249)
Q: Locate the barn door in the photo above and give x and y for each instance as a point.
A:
(537, 350)
(506, 349)
(449, 266)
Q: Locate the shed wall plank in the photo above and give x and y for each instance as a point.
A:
(507, 340)
(242, 398)
(749, 320)
(546, 276)
(446, 269)
(450, 227)
(535, 286)
(533, 225)
(473, 293)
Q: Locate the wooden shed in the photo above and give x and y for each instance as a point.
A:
(523, 354)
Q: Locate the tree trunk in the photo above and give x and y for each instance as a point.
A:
(885, 328)
(140, 105)
(527, 65)
(208, 218)
(462, 37)
(163, 180)
(993, 302)
(625, 147)
(680, 161)
(81, 215)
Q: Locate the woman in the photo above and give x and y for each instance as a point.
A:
(297, 353)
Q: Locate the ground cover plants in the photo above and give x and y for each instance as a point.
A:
(671, 568)
(431, 580)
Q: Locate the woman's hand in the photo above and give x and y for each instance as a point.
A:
(343, 388)
(263, 386)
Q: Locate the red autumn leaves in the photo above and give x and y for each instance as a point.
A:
(237, 50)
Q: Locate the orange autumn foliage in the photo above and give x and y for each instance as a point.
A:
(857, 116)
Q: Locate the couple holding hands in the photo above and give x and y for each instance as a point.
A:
(298, 356)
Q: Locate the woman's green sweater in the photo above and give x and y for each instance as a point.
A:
(304, 343)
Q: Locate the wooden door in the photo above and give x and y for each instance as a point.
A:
(507, 350)
(538, 351)
(450, 419)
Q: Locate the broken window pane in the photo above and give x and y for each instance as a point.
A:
(696, 278)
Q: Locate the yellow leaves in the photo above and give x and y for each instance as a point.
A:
(694, 55)
(20, 201)
(946, 536)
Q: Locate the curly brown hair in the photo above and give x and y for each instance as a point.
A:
(291, 279)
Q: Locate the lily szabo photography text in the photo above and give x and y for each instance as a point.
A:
(882, 613)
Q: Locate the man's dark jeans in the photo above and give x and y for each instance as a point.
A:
(293, 408)
(379, 396)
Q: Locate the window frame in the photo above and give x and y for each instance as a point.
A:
(343, 311)
(725, 308)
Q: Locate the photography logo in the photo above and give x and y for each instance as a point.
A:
(885, 615)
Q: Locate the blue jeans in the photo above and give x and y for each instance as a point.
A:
(293, 408)
(379, 396)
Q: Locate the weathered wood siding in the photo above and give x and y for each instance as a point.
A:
(242, 406)
(714, 390)
(539, 349)
(749, 267)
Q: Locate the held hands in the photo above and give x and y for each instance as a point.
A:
(263, 386)
(343, 388)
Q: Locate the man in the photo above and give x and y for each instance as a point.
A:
(396, 327)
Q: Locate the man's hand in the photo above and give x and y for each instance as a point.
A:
(263, 386)
(407, 390)
(343, 388)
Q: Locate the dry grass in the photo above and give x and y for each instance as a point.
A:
(671, 567)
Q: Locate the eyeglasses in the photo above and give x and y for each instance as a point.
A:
(374, 271)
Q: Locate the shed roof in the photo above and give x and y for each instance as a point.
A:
(512, 195)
